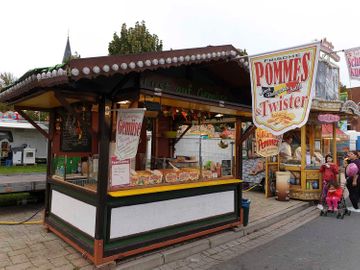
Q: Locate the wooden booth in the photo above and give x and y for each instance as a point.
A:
(109, 204)
(313, 141)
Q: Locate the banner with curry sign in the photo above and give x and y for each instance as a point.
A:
(128, 129)
(267, 144)
(283, 85)
(353, 62)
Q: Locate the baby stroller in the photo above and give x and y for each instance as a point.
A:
(342, 209)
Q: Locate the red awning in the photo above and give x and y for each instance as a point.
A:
(327, 132)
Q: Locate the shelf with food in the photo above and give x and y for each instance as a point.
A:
(164, 188)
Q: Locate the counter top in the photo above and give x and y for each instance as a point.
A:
(156, 189)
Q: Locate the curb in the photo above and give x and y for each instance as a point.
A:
(147, 262)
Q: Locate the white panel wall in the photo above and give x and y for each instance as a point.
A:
(79, 214)
(133, 219)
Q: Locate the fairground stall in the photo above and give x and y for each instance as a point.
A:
(299, 99)
(115, 186)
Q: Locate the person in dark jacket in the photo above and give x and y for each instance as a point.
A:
(353, 183)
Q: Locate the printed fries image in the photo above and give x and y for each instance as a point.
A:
(283, 118)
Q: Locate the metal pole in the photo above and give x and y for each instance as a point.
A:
(200, 158)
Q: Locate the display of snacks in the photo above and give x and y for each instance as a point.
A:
(194, 173)
(140, 178)
(170, 176)
(148, 177)
(183, 176)
(207, 174)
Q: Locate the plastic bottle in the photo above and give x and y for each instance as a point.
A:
(62, 171)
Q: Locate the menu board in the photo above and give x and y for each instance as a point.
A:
(75, 130)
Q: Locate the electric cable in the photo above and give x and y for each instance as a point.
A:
(26, 221)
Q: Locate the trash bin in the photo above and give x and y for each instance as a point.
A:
(282, 186)
(245, 204)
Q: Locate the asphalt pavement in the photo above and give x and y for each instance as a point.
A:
(322, 244)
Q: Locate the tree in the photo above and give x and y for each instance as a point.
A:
(6, 79)
(134, 40)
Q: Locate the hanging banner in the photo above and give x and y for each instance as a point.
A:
(282, 85)
(328, 118)
(267, 144)
(353, 62)
(128, 129)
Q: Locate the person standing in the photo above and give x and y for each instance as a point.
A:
(285, 148)
(353, 182)
(328, 170)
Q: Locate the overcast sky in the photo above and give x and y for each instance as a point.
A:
(33, 33)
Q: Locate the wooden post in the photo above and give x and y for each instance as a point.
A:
(238, 149)
(334, 150)
(102, 181)
(49, 162)
(303, 157)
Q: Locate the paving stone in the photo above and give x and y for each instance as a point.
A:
(18, 252)
(80, 262)
(21, 258)
(20, 266)
(59, 261)
(5, 262)
(76, 255)
(46, 266)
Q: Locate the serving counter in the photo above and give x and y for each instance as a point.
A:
(305, 184)
(132, 223)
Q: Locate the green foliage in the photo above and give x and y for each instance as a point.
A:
(12, 170)
(134, 40)
(38, 116)
(343, 88)
(6, 79)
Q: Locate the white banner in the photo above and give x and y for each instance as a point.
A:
(128, 129)
(353, 62)
(282, 84)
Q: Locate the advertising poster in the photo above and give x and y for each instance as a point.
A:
(353, 62)
(120, 172)
(282, 84)
(267, 144)
(128, 129)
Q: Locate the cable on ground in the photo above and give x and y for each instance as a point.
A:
(25, 222)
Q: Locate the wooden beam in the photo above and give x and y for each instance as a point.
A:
(249, 131)
(118, 87)
(27, 108)
(38, 128)
(182, 135)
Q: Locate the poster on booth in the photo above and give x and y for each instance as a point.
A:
(128, 129)
(120, 172)
(282, 85)
(267, 144)
(353, 62)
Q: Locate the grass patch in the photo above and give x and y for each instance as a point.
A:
(13, 198)
(21, 198)
(9, 170)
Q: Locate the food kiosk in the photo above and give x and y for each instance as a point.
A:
(103, 195)
(319, 137)
(294, 92)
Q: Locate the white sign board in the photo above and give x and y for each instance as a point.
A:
(128, 129)
(282, 85)
(120, 172)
